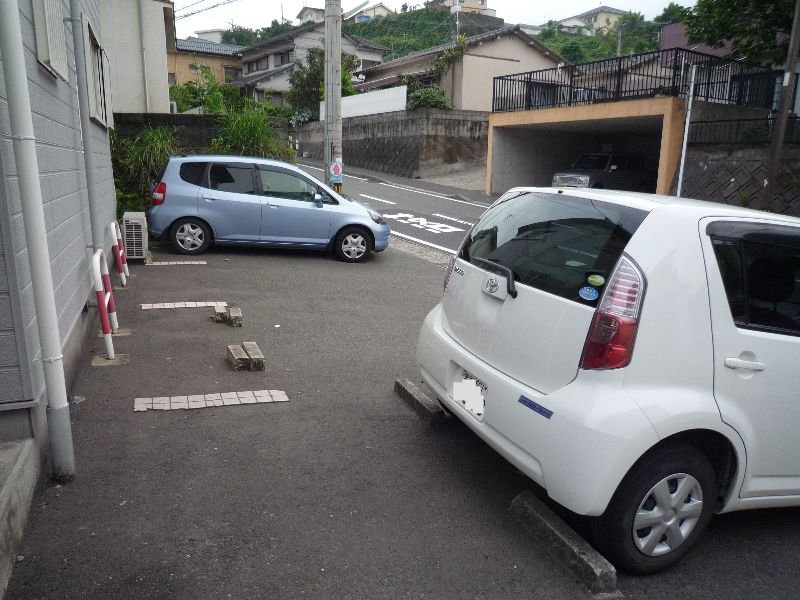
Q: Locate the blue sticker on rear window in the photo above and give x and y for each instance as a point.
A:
(535, 407)
(588, 293)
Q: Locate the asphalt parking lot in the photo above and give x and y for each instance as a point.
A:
(340, 492)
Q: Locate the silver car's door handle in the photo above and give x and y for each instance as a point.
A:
(750, 365)
(210, 198)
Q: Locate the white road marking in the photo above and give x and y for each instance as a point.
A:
(209, 400)
(321, 169)
(378, 199)
(405, 189)
(423, 242)
(453, 219)
(422, 223)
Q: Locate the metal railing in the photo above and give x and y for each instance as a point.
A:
(741, 132)
(647, 75)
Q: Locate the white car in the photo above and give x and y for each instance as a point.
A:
(635, 355)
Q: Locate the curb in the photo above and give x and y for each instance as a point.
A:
(427, 410)
(593, 570)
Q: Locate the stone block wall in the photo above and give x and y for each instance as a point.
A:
(736, 176)
(415, 144)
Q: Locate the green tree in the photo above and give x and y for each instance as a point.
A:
(239, 36)
(638, 34)
(275, 28)
(758, 29)
(244, 36)
(205, 91)
(307, 81)
(671, 14)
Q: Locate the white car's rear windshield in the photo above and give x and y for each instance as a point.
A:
(557, 243)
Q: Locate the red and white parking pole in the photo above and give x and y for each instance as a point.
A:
(105, 301)
(120, 258)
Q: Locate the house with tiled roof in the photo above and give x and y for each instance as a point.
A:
(468, 81)
(225, 60)
(268, 65)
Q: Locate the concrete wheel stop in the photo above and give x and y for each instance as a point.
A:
(428, 410)
(591, 568)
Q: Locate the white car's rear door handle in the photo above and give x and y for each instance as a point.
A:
(750, 365)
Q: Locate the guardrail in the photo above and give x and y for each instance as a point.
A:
(105, 301)
(646, 75)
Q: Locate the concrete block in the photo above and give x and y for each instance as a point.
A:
(220, 315)
(583, 560)
(254, 353)
(234, 317)
(428, 410)
(238, 358)
(19, 471)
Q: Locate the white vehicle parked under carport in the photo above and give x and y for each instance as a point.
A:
(635, 355)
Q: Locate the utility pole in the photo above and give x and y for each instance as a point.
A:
(779, 129)
(619, 38)
(333, 93)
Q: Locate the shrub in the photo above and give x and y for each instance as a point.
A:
(137, 163)
(429, 97)
(250, 133)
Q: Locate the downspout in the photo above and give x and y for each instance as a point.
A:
(86, 124)
(24, 144)
(144, 55)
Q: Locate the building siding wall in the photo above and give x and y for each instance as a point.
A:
(57, 128)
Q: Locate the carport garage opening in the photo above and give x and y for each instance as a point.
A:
(529, 155)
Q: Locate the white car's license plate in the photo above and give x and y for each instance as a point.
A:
(471, 393)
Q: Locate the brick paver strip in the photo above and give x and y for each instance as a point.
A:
(209, 400)
(176, 262)
(168, 305)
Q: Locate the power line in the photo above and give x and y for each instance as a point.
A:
(199, 10)
(190, 5)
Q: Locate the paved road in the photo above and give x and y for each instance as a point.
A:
(433, 219)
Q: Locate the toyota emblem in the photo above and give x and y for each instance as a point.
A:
(492, 286)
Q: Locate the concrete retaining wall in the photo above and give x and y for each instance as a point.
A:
(420, 143)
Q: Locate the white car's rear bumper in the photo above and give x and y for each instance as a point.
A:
(577, 442)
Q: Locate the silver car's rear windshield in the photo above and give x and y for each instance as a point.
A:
(554, 242)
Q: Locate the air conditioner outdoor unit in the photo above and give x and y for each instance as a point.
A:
(134, 231)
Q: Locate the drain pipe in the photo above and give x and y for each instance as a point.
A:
(24, 143)
(144, 56)
(86, 124)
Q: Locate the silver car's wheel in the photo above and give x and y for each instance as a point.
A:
(659, 511)
(353, 244)
(668, 514)
(190, 236)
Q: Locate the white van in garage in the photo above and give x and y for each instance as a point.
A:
(635, 355)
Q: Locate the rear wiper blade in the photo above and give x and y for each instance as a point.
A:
(510, 286)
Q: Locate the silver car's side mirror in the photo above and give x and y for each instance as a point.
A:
(318, 199)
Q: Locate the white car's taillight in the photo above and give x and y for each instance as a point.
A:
(609, 344)
(450, 266)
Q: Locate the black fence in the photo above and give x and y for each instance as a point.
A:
(741, 132)
(648, 75)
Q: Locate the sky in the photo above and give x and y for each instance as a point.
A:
(260, 13)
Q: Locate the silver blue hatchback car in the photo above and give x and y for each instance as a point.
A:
(203, 199)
